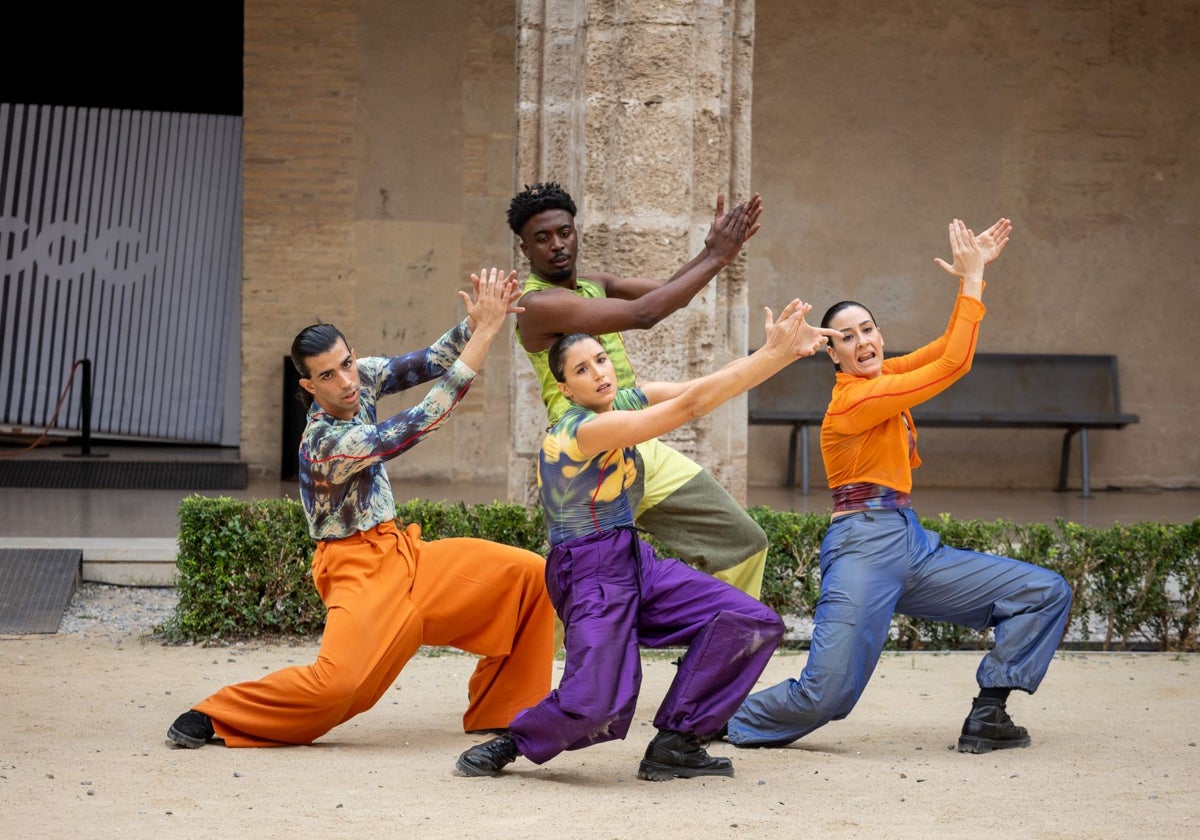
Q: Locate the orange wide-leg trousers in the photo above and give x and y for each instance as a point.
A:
(387, 593)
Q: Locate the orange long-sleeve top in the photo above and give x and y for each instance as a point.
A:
(865, 436)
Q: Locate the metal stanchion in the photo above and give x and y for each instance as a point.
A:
(85, 410)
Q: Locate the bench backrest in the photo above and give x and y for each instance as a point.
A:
(1002, 388)
(798, 392)
(1035, 384)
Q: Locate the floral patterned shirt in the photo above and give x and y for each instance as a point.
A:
(343, 482)
(583, 494)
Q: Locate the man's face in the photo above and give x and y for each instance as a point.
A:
(549, 240)
(334, 384)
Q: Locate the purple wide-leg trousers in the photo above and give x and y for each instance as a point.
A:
(613, 594)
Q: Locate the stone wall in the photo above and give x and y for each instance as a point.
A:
(299, 181)
(642, 112)
(875, 124)
(381, 149)
(378, 166)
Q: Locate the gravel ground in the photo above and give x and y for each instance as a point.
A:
(104, 609)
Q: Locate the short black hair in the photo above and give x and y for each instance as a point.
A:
(311, 341)
(545, 195)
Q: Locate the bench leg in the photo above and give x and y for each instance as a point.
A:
(1065, 461)
(791, 471)
(802, 430)
(804, 459)
(1083, 463)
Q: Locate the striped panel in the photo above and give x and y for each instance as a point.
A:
(120, 241)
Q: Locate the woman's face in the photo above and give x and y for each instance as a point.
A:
(859, 351)
(589, 379)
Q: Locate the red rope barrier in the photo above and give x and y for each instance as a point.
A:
(53, 417)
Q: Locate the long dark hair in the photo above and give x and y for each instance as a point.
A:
(558, 351)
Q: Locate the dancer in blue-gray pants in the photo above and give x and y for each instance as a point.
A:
(611, 591)
(877, 560)
(877, 563)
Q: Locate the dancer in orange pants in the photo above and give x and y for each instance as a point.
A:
(386, 590)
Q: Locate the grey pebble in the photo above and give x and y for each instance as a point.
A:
(101, 609)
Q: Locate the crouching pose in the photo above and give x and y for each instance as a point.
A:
(388, 591)
(877, 560)
(610, 589)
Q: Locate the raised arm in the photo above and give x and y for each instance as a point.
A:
(726, 236)
(418, 367)
(969, 259)
(638, 303)
(338, 456)
(991, 243)
(673, 404)
(923, 374)
(495, 297)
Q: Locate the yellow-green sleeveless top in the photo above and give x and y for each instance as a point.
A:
(556, 404)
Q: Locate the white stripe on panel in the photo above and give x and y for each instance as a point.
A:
(119, 241)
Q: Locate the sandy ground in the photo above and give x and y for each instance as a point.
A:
(83, 754)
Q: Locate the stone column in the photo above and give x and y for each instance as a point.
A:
(642, 111)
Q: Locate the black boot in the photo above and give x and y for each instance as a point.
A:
(680, 754)
(488, 758)
(192, 730)
(988, 727)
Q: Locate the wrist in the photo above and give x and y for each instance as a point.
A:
(486, 329)
(972, 287)
(775, 351)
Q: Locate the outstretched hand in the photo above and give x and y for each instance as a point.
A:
(993, 240)
(793, 332)
(496, 295)
(968, 254)
(730, 231)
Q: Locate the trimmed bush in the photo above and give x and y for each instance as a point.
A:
(792, 579)
(502, 522)
(244, 569)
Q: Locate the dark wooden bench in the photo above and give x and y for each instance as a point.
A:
(1003, 391)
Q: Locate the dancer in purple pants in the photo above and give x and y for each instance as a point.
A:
(611, 591)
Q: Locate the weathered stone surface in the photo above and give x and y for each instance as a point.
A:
(655, 149)
(376, 132)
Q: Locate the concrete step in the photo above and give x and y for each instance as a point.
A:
(126, 562)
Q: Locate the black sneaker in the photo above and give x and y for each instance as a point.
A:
(680, 755)
(988, 727)
(488, 758)
(192, 730)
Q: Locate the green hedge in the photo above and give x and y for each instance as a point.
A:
(244, 569)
